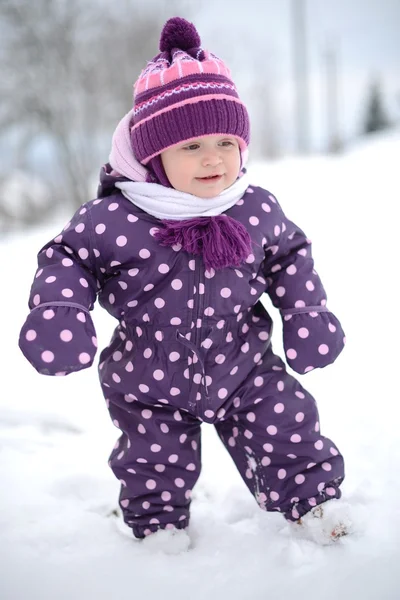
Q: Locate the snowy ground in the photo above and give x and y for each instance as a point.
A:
(59, 538)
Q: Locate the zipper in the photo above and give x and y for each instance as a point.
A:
(199, 330)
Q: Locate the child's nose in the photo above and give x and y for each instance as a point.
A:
(211, 159)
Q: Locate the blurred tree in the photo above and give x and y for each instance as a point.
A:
(67, 73)
(376, 117)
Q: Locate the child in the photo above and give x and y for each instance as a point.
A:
(179, 248)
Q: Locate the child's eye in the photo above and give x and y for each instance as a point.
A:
(227, 143)
(191, 147)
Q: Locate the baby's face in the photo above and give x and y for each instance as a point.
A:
(203, 166)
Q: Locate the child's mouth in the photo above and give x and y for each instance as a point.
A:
(209, 178)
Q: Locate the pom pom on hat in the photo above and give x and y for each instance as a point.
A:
(179, 33)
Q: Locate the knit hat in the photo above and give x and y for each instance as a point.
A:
(184, 92)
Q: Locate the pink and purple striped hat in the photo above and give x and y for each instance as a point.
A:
(185, 92)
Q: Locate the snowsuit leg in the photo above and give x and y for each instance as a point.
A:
(157, 461)
(274, 438)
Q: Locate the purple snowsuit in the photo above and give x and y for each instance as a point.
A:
(192, 345)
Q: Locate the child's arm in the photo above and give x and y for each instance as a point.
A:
(312, 335)
(58, 336)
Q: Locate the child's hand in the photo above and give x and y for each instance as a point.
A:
(58, 340)
(312, 340)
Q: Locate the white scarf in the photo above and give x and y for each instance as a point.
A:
(168, 203)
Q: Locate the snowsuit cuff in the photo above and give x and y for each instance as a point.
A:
(142, 531)
(301, 507)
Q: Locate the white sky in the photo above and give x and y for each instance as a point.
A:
(367, 35)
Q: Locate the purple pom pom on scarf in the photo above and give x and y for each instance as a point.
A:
(221, 240)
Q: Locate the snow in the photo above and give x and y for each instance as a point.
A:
(60, 538)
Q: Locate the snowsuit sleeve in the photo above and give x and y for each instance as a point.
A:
(312, 335)
(58, 336)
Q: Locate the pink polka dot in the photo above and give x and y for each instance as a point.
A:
(274, 496)
(124, 503)
(291, 353)
(151, 484)
(67, 262)
(330, 491)
(155, 447)
(67, 293)
(323, 349)
(47, 356)
(310, 286)
(279, 408)
(166, 496)
(251, 417)
(100, 228)
(159, 303)
(280, 386)
(331, 328)
(176, 284)
(319, 445)
(303, 333)
(81, 317)
(226, 292)
(30, 335)
(326, 466)
(146, 413)
(299, 479)
(265, 461)
(268, 447)
(263, 335)
(179, 482)
(308, 369)
(50, 279)
(282, 474)
(254, 221)
(84, 358)
(258, 381)
(83, 253)
(291, 270)
(158, 374)
(144, 253)
(299, 417)
(295, 438)
(280, 291)
(266, 207)
(300, 395)
(272, 430)
(66, 335)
